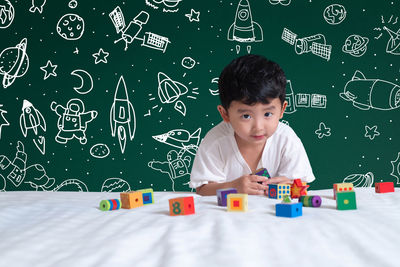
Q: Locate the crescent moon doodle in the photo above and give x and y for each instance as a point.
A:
(214, 91)
(86, 81)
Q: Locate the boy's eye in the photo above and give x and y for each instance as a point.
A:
(268, 114)
(246, 116)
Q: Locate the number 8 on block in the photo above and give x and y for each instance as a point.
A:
(181, 206)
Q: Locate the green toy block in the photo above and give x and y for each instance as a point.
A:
(147, 196)
(346, 200)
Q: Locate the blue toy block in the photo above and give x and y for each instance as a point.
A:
(147, 196)
(222, 195)
(277, 191)
(289, 210)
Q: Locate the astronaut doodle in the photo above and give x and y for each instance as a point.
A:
(72, 121)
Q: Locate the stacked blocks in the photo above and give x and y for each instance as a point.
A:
(181, 206)
(277, 191)
(147, 196)
(298, 189)
(341, 187)
(132, 199)
(237, 202)
(384, 187)
(311, 201)
(222, 195)
(110, 204)
(289, 209)
(346, 200)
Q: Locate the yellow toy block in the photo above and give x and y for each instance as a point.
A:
(237, 202)
(342, 187)
(131, 200)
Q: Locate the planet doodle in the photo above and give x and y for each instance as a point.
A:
(7, 13)
(14, 63)
(335, 14)
(71, 27)
(355, 45)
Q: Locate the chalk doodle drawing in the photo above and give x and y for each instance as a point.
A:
(122, 115)
(99, 151)
(181, 138)
(392, 21)
(355, 45)
(323, 131)
(169, 91)
(371, 93)
(3, 120)
(396, 168)
(302, 100)
(7, 14)
(316, 44)
(371, 132)
(100, 56)
(72, 120)
(393, 45)
(131, 32)
(281, 2)
(49, 70)
(360, 180)
(176, 165)
(72, 4)
(32, 118)
(214, 91)
(86, 81)
(188, 62)
(193, 15)
(115, 185)
(244, 29)
(14, 62)
(71, 27)
(168, 5)
(37, 5)
(334, 14)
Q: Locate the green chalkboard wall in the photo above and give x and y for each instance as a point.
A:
(116, 95)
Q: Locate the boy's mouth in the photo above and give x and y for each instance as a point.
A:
(258, 137)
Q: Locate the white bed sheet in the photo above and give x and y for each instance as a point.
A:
(68, 229)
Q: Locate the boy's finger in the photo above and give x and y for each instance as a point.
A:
(257, 178)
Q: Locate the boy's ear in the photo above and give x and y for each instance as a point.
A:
(283, 109)
(223, 112)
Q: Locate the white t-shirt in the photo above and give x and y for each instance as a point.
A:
(218, 158)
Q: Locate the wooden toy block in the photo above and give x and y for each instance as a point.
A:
(346, 200)
(341, 187)
(262, 172)
(181, 206)
(132, 199)
(222, 195)
(277, 191)
(147, 196)
(237, 202)
(289, 209)
(298, 188)
(384, 187)
(311, 201)
(110, 204)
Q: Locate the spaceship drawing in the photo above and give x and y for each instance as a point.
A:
(168, 90)
(31, 118)
(181, 138)
(371, 93)
(393, 45)
(14, 63)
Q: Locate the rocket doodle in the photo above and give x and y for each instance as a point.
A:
(122, 115)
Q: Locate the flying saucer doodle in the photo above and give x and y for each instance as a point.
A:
(393, 45)
(71, 27)
(334, 14)
(355, 45)
(86, 81)
(7, 13)
(14, 63)
(168, 90)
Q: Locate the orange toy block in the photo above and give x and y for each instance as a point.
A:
(298, 189)
(237, 202)
(341, 187)
(181, 206)
(131, 200)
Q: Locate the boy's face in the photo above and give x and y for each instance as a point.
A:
(253, 124)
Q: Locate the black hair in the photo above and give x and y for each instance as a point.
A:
(251, 79)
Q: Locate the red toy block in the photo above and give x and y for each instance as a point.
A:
(384, 187)
(298, 189)
(181, 206)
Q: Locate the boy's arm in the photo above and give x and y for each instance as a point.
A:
(247, 184)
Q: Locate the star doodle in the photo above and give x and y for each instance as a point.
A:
(49, 70)
(371, 132)
(100, 56)
(323, 130)
(3, 120)
(193, 16)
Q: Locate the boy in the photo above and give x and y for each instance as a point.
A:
(252, 91)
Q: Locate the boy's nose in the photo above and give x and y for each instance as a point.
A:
(258, 125)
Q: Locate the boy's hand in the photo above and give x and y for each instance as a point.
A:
(277, 180)
(248, 184)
